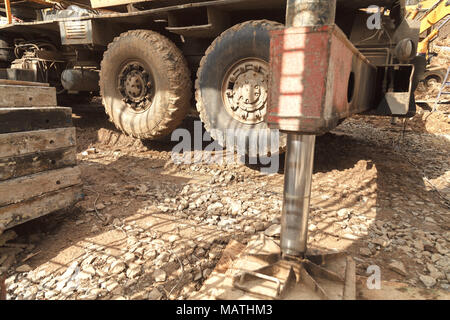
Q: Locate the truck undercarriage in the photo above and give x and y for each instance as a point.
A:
(143, 61)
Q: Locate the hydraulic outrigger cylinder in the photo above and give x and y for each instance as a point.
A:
(300, 147)
(304, 89)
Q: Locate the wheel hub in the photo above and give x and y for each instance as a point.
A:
(136, 87)
(245, 90)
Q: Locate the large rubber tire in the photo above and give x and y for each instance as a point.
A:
(172, 82)
(246, 40)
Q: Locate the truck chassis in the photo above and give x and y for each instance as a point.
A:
(143, 62)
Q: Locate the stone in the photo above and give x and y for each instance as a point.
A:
(139, 295)
(150, 254)
(249, 230)
(350, 236)
(273, 231)
(49, 294)
(343, 213)
(199, 252)
(133, 270)
(214, 206)
(162, 259)
(155, 294)
(198, 276)
(39, 275)
(398, 267)
(419, 245)
(173, 238)
(430, 248)
(91, 295)
(112, 285)
(444, 263)
(365, 252)
(129, 257)
(435, 257)
(428, 281)
(70, 287)
(441, 249)
(24, 268)
(61, 284)
(117, 267)
(225, 222)
(84, 275)
(88, 260)
(70, 270)
(381, 242)
(431, 268)
(206, 273)
(259, 226)
(235, 207)
(159, 275)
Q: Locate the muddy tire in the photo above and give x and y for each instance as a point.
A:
(433, 78)
(231, 87)
(145, 84)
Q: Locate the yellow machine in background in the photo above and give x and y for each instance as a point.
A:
(434, 15)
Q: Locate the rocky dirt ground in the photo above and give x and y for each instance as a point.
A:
(150, 229)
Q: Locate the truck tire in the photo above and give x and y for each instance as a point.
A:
(232, 87)
(145, 84)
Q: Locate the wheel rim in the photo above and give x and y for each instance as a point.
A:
(136, 86)
(244, 90)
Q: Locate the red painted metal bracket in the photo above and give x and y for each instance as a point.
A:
(318, 77)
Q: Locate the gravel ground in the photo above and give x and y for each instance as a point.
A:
(151, 229)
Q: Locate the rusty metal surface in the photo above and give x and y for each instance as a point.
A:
(400, 93)
(237, 256)
(330, 276)
(318, 77)
(144, 15)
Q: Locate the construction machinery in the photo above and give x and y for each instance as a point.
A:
(297, 66)
(317, 76)
(434, 17)
(143, 56)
